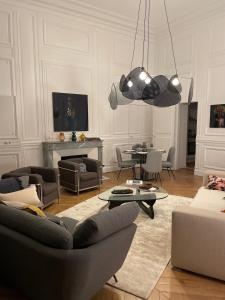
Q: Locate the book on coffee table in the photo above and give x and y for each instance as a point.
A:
(134, 182)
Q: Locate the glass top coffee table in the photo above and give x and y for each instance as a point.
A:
(145, 199)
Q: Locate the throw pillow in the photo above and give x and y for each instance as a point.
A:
(35, 227)
(216, 183)
(24, 181)
(99, 226)
(82, 167)
(21, 198)
(9, 185)
(34, 210)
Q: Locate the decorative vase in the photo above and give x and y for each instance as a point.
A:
(61, 136)
(74, 137)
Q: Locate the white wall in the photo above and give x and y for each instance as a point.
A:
(42, 50)
(200, 52)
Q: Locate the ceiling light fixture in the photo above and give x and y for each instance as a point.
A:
(139, 84)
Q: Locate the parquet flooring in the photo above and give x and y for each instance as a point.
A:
(173, 284)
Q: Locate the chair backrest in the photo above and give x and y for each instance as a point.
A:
(136, 146)
(171, 154)
(119, 157)
(153, 162)
(136, 156)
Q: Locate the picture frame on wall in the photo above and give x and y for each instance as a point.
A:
(217, 116)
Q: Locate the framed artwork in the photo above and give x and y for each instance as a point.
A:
(217, 116)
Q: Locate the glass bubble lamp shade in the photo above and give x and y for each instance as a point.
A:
(138, 85)
(174, 84)
(116, 98)
(166, 97)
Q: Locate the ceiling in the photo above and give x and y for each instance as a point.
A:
(177, 9)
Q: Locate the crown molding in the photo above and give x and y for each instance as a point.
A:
(89, 14)
(188, 21)
(105, 19)
(101, 16)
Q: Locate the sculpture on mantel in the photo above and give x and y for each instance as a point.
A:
(61, 136)
(74, 137)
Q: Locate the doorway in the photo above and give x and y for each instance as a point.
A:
(186, 135)
(191, 134)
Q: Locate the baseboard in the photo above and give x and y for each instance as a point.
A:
(198, 172)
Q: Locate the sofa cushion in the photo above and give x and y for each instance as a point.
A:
(23, 181)
(104, 224)
(35, 227)
(216, 183)
(209, 199)
(83, 167)
(70, 224)
(9, 185)
(88, 176)
(21, 197)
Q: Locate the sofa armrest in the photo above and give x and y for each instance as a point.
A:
(48, 174)
(33, 178)
(92, 165)
(211, 172)
(198, 241)
(70, 165)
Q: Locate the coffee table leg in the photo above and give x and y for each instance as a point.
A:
(148, 210)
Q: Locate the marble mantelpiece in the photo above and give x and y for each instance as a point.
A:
(71, 148)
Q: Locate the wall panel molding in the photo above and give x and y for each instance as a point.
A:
(64, 36)
(6, 28)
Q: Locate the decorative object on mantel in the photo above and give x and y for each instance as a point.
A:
(74, 137)
(160, 90)
(61, 136)
(217, 116)
(82, 137)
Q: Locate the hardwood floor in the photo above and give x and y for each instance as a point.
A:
(174, 284)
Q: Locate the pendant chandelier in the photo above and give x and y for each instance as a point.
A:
(139, 84)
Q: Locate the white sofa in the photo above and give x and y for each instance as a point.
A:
(198, 233)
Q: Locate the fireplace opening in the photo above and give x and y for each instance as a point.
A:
(74, 156)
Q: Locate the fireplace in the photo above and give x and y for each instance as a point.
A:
(73, 156)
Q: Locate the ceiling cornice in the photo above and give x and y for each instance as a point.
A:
(106, 19)
(190, 20)
(84, 12)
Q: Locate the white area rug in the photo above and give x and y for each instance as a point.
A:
(150, 251)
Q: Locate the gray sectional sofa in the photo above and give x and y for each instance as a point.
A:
(56, 258)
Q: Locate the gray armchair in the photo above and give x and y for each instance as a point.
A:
(46, 180)
(73, 178)
(48, 261)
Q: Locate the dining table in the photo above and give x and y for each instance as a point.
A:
(142, 153)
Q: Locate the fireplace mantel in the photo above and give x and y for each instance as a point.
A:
(51, 147)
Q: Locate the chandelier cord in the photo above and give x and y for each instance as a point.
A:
(135, 36)
(149, 10)
(143, 47)
(171, 38)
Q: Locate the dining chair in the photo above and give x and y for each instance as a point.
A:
(136, 157)
(168, 164)
(153, 165)
(124, 164)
